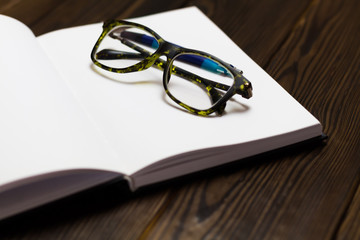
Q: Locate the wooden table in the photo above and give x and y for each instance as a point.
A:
(312, 48)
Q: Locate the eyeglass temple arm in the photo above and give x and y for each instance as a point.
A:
(114, 54)
(207, 85)
(109, 54)
(195, 60)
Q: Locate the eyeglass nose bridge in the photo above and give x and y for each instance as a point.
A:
(169, 50)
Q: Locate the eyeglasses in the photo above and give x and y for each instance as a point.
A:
(199, 82)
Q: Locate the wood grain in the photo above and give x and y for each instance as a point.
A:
(350, 226)
(312, 48)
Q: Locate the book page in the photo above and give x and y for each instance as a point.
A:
(43, 128)
(141, 123)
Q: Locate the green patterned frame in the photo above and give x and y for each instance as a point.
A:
(240, 85)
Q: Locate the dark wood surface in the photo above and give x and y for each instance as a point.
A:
(312, 48)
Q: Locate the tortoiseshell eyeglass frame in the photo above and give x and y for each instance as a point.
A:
(240, 84)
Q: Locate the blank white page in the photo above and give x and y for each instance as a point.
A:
(134, 113)
(42, 127)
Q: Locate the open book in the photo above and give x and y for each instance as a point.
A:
(67, 126)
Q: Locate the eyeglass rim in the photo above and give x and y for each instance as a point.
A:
(219, 105)
(142, 65)
(149, 61)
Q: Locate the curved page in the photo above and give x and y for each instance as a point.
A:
(43, 128)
